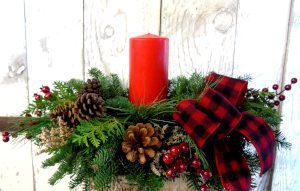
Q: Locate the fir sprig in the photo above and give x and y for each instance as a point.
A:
(186, 87)
(62, 92)
(105, 167)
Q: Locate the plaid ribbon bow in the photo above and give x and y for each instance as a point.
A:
(216, 117)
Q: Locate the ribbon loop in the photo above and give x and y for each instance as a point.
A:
(260, 134)
(216, 105)
(216, 114)
(233, 89)
(193, 120)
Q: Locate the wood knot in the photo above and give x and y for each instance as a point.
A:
(223, 20)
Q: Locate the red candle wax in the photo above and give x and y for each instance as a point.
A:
(148, 72)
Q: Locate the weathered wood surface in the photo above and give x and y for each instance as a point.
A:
(16, 172)
(54, 52)
(15, 163)
(202, 35)
(287, 167)
(6, 123)
(260, 48)
(108, 25)
(260, 40)
(13, 66)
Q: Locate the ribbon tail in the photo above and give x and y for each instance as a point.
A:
(232, 168)
(261, 135)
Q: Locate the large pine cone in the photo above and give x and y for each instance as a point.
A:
(140, 141)
(67, 113)
(91, 86)
(89, 105)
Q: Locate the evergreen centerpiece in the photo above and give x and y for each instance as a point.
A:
(95, 134)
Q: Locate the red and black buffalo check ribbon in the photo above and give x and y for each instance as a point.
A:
(216, 114)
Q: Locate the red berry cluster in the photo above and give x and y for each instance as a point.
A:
(46, 91)
(178, 161)
(47, 95)
(5, 136)
(279, 97)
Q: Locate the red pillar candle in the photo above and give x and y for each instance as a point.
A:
(148, 73)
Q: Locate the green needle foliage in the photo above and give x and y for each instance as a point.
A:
(143, 179)
(183, 87)
(106, 167)
(93, 155)
(96, 132)
(111, 84)
(62, 92)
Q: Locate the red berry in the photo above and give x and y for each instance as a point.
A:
(48, 95)
(294, 80)
(5, 139)
(271, 96)
(183, 167)
(184, 147)
(37, 97)
(275, 87)
(174, 151)
(204, 187)
(276, 103)
(5, 133)
(170, 173)
(176, 168)
(45, 89)
(199, 172)
(178, 162)
(196, 163)
(206, 174)
(281, 97)
(288, 87)
(38, 113)
(168, 158)
(185, 160)
(195, 156)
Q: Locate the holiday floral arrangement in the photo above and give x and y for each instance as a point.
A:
(203, 132)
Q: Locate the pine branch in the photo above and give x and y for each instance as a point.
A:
(63, 169)
(81, 173)
(105, 167)
(151, 182)
(62, 93)
(192, 180)
(111, 85)
(281, 140)
(57, 156)
(183, 88)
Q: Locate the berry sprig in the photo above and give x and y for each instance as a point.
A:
(46, 91)
(278, 97)
(39, 99)
(178, 160)
(5, 136)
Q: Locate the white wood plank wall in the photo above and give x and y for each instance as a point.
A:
(46, 40)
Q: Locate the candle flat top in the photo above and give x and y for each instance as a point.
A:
(147, 36)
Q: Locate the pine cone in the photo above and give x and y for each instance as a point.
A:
(89, 105)
(141, 142)
(90, 86)
(67, 114)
